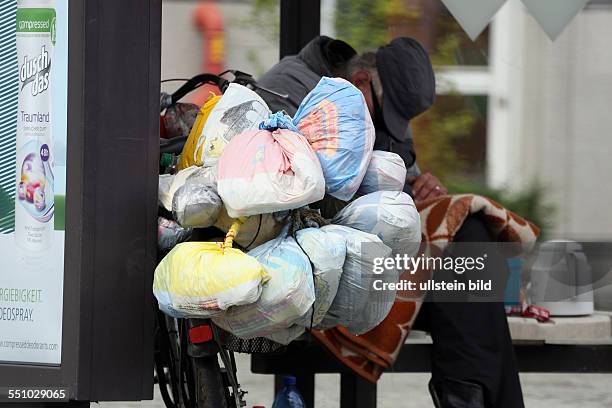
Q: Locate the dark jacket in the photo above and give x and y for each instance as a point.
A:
(297, 75)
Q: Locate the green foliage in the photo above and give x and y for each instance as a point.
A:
(445, 51)
(439, 131)
(363, 24)
(264, 17)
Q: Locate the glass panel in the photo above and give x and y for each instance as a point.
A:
(382, 20)
(450, 138)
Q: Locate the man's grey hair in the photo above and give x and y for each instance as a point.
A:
(365, 62)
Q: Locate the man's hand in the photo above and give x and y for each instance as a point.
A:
(426, 186)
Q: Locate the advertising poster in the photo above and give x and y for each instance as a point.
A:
(33, 181)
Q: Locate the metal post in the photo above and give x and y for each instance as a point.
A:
(355, 392)
(300, 22)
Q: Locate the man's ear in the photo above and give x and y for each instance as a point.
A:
(361, 78)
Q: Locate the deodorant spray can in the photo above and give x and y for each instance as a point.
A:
(34, 201)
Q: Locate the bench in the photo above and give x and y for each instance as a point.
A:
(568, 345)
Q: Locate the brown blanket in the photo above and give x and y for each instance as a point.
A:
(370, 354)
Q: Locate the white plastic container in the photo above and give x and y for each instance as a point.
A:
(34, 201)
(561, 279)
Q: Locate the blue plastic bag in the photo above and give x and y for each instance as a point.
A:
(335, 120)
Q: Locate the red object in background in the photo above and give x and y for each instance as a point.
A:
(541, 314)
(209, 20)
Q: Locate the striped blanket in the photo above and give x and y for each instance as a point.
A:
(370, 354)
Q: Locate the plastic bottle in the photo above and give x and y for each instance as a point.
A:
(289, 397)
(34, 201)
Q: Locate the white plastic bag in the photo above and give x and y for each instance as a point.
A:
(285, 297)
(327, 252)
(169, 183)
(357, 305)
(262, 172)
(196, 204)
(386, 172)
(239, 109)
(390, 215)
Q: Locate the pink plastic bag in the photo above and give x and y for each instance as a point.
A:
(262, 172)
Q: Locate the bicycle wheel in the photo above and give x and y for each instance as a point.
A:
(210, 390)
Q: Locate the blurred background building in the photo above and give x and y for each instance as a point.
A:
(518, 117)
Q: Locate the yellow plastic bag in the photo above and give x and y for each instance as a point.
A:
(189, 155)
(202, 279)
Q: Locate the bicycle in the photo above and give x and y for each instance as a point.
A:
(187, 351)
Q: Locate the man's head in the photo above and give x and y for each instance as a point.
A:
(361, 71)
(397, 82)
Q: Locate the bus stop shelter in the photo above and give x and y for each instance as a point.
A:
(113, 87)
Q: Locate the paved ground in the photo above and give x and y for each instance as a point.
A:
(410, 390)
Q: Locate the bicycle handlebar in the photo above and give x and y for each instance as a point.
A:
(175, 145)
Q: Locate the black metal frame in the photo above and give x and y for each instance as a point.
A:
(300, 22)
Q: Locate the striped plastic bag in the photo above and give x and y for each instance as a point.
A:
(287, 296)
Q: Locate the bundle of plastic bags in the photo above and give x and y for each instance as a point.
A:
(239, 110)
(335, 120)
(327, 252)
(386, 172)
(196, 204)
(242, 162)
(202, 279)
(390, 215)
(264, 172)
(286, 297)
(356, 305)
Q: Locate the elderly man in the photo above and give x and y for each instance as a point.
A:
(473, 360)
(297, 75)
